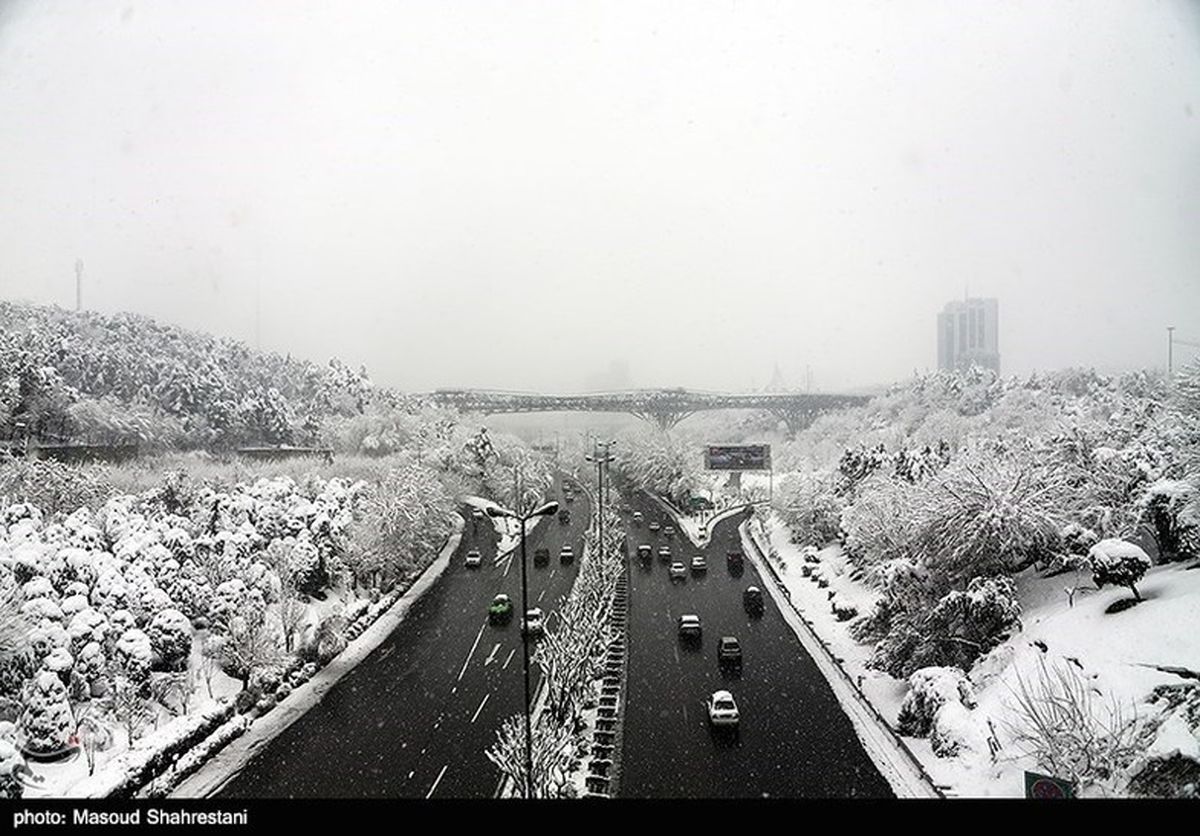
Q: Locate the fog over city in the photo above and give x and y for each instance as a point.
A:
(563, 195)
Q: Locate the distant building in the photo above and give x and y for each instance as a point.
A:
(968, 333)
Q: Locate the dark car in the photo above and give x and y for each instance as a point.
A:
(541, 556)
(735, 561)
(729, 652)
(501, 609)
(753, 600)
(564, 516)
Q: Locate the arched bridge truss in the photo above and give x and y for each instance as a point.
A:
(664, 407)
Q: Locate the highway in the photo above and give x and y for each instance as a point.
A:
(414, 719)
(794, 740)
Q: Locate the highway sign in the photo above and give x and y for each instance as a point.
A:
(1047, 786)
(738, 457)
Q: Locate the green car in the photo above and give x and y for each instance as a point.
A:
(501, 609)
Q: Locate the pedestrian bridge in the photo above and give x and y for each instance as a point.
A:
(665, 407)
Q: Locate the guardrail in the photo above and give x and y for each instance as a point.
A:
(833, 658)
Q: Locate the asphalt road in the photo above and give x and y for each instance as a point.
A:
(793, 741)
(414, 718)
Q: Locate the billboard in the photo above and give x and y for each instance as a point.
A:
(737, 457)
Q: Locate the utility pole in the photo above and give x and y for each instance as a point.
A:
(1170, 350)
(79, 284)
(601, 460)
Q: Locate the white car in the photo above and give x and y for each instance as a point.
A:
(654, 526)
(722, 710)
(678, 570)
(637, 517)
(474, 559)
(477, 513)
(689, 626)
(699, 564)
(533, 621)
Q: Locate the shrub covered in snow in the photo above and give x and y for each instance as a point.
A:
(47, 720)
(929, 689)
(170, 634)
(134, 654)
(1171, 509)
(1118, 562)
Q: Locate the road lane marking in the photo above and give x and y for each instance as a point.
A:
(508, 565)
(478, 636)
(541, 596)
(685, 717)
(491, 656)
(476, 717)
(509, 659)
(676, 649)
(438, 781)
(552, 571)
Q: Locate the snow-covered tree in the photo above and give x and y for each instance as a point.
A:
(47, 720)
(170, 634)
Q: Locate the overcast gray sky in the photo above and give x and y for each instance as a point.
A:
(515, 194)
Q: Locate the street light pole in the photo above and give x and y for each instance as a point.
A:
(601, 461)
(546, 510)
(525, 663)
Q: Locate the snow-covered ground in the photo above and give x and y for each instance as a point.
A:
(507, 528)
(1115, 652)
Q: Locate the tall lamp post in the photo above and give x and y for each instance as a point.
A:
(544, 511)
(601, 459)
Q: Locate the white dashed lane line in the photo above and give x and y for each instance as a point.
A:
(509, 659)
(467, 661)
(438, 781)
(481, 705)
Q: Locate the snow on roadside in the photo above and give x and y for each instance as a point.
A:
(1116, 652)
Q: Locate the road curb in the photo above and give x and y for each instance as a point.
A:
(905, 774)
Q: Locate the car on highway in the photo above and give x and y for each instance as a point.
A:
(569, 496)
(541, 556)
(669, 530)
(752, 598)
(500, 610)
(699, 564)
(735, 562)
(722, 710)
(654, 526)
(564, 516)
(474, 559)
(645, 552)
(729, 652)
(533, 623)
(664, 554)
(689, 626)
(566, 554)
(678, 571)
(637, 517)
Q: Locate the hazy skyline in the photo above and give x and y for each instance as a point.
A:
(516, 195)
